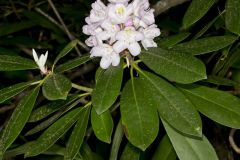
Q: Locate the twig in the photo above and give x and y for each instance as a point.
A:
(6, 108)
(164, 5)
(232, 142)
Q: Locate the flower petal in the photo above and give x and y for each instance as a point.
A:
(35, 55)
(105, 62)
(115, 59)
(134, 49)
(119, 46)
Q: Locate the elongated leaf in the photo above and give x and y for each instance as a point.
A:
(15, 27)
(130, 152)
(172, 40)
(12, 91)
(88, 154)
(233, 16)
(172, 105)
(102, 125)
(107, 89)
(66, 50)
(50, 108)
(139, 114)
(175, 66)
(196, 11)
(77, 136)
(53, 133)
(220, 106)
(165, 150)
(222, 81)
(190, 148)
(18, 120)
(73, 64)
(56, 87)
(14, 63)
(205, 45)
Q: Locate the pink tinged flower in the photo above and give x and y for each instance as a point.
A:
(140, 7)
(91, 29)
(119, 13)
(109, 56)
(98, 12)
(41, 61)
(128, 39)
(118, 1)
(91, 41)
(129, 23)
(148, 43)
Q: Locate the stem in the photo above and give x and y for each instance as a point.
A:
(82, 88)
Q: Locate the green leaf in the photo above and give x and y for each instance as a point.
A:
(107, 89)
(73, 63)
(53, 133)
(14, 63)
(222, 81)
(175, 66)
(9, 92)
(196, 11)
(165, 150)
(102, 125)
(188, 148)
(205, 45)
(88, 154)
(233, 16)
(18, 120)
(56, 87)
(219, 106)
(139, 114)
(10, 28)
(130, 152)
(76, 139)
(172, 105)
(65, 51)
(49, 108)
(172, 40)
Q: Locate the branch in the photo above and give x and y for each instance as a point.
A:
(164, 5)
(232, 142)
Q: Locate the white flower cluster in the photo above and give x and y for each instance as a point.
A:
(119, 26)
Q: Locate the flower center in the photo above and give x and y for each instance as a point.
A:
(120, 10)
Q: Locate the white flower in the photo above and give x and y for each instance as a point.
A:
(41, 61)
(128, 39)
(119, 13)
(118, 1)
(92, 41)
(140, 7)
(109, 56)
(98, 12)
(91, 29)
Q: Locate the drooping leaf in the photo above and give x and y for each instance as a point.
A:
(9, 92)
(18, 120)
(233, 16)
(102, 125)
(73, 64)
(107, 89)
(66, 50)
(87, 154)
(56, 87)
(205, 45)
(130, 152)
(139, 114)
(222, 81)
(172, 105)
(175, 66)
(165, 150)
(190, 148)
(53, 133)
(196, 10)
(172, 40)
(49, 108)
(76, 139)
(14, 63)
(219, 106)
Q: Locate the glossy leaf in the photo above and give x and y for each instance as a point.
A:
(172, 40)
(18, 120)
(76, 139)
(205, 45)
(102, 125)
(56, 87)
(165, 150)
(9, 92)
(107, 89)
(219, 106)
(139, 114)
(53, 133)
(172, 105)
(196, 10)
(175, 66)
(73, 64)
(233, 16)
(130, 152)
(190, 148)
(66, 50)
(14, 63)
